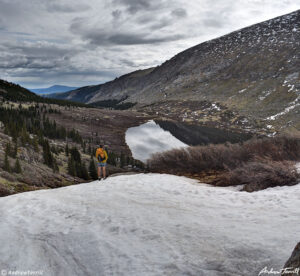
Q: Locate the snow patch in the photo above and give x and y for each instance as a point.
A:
(149, 224)
(215, 107)
(293, 105)
(242, 91)
(265, 94)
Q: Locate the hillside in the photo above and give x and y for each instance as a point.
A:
(13, 92)
(40, 137)
(252, 73)
(113, 88)
(53, 89)
(113, 228)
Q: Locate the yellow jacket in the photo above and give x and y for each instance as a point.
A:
(101, 152)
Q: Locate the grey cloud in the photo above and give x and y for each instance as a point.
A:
(164, 22)
(210, 22)
(107, 37)
(133, 6)
(179, 12)
(128, 62)
(57, 73)
(116, 14)
(35, 55)
(128, 39)
(145, 18)
(47, 50)
(66, 8)
(29, 63)
(16, 33)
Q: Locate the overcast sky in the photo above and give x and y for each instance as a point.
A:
(76, 43)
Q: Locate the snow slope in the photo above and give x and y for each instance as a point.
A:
(149, 224)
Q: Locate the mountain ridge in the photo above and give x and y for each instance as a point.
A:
(52, 89)
(249, 70)
(14, 92)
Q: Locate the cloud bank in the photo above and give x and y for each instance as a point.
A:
(45, 42)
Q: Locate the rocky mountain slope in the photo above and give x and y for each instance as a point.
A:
(253, 71)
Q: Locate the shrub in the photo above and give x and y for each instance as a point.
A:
(260, 175)
(225, 156)
(4, 191)
(258, 163)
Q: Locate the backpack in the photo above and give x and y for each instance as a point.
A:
(101, 155)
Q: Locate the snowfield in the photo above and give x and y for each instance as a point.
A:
(149, 224)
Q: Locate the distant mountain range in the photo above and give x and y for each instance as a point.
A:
(15, 93)
(53, 89)
(254, 72)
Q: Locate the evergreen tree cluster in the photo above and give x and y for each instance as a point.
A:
(22, 121)
(76, 167)
(49, 159)
(11, 152)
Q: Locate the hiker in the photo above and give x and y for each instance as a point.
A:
(101, 156)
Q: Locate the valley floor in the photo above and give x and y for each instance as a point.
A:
(149, 224)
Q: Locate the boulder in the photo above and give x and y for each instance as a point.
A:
(292, 266)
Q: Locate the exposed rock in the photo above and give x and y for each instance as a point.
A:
(293, 263)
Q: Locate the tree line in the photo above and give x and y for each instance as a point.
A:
(31, 127)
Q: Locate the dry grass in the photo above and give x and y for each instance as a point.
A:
(258, 163)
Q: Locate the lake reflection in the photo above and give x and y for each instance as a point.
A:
(150, 138)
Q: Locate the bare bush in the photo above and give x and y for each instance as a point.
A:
(260, 175)
(4, 191)
(225, 156)
(258, 163)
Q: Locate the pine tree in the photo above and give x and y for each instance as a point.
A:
(112, 158)
(78, 169)
(122, 160)
(6, 166)
(48, 158)
(128, 160)
(24, 135)
(71, 167)
(36, 144)
(15, 151)
(84, 172)
(67, 150)
(17, 168)
(55, 166)
(8, 149)
(93, 170)
(75, 154)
